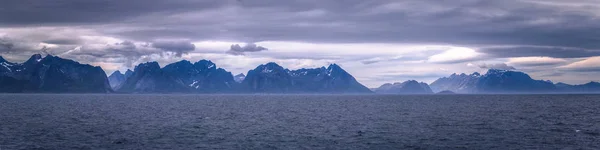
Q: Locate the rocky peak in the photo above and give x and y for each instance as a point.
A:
(34, 59)
(334, 69)
(270, 67)
(147, 67)
(239, 78)
(205, 64)
(128, 73)
(116, 73)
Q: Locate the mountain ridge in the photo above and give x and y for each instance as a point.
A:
(52, 74)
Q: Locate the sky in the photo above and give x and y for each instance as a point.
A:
(377, 41)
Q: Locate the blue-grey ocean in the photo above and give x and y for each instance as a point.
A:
(40, 121)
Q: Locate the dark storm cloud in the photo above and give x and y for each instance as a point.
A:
(63, 41)
(5, 45)
(121, 50)
(470, 23)
(179, 47)
(16, 46)
(69, 12)
(501, 66)
(236, 49)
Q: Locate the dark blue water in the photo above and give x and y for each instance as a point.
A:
(299, 122)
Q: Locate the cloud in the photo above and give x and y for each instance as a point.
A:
(5, 45)
(236, 49)
(591, 64)
(555, 74)
(536, 61)
(370, 35)
(455, 55)
(16, 46)
(539, 51)
(501, 66)
(179, 47)
(372, 60)
(63, 41)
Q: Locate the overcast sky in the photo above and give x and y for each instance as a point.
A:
(378, 41)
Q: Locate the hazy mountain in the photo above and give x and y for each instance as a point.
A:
(272, 78)
(591, 87)
(52, 74)
(445, 92)
(494, 81)
(407, 87)
(462, 83)
(128, 73)
(504, 81)
(239, 78)
(117, 78)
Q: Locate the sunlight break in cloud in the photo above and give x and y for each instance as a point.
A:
(455, 55)
(591, 64)
(535, 61)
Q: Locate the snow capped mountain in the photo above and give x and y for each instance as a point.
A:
(202, 76)
(407, 87)
(179, 77)
(52, 74)
(272, 78)
(494, 81)
(57, 75)
(268, 78)
(462, 83)
(5, 66)
(504, 81)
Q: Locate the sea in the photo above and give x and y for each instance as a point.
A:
(146, 122)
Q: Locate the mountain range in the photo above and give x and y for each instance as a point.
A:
(52, 74)
(506, 81)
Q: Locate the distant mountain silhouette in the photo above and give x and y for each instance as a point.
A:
(117, 78)
(591, 87)
(407, 87)
(494, 81)
(52, 74)
(445, 92)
